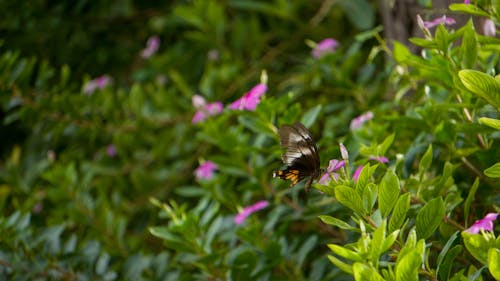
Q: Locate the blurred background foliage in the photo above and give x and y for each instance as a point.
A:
(79, 171)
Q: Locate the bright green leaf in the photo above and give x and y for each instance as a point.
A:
(407, 267)
(494, 262)
(401, 52)
(388, 193)
(469, 46)
(340, 264)
(493, 171)
(477, 246)
(348, 197)
(399, 214)
(426, 160)
(336, 222)
(345, 253)
(364, 272)
(469, 9)
(493, 123)
(483, 85)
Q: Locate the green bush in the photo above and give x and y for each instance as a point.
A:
(150, 173)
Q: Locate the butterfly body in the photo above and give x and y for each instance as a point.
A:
(300, 156)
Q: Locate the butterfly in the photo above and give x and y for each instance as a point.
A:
(301, 155)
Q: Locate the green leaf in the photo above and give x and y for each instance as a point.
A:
(345, 253)
(326, 189)
(430, 217)
(426, 160)
(483, 85)
(447, 246)
(359, 12)
(469, 46)
(424, 43)
(377, 243)
(336, 222)
(348, 197)
(306, 249)
(494, 262)
(340, 264)
(470, 198)
(388, 193)
(365, 272)
(469, 9)
(311, 115)
(369, 197)
(401, 52)
(493, 171)
(441, 38)
(364, 177)
(407, 267)
(445, 267)
(399, 214)
(384, 146)
(477, 246)
(389, 241)
(493, 123)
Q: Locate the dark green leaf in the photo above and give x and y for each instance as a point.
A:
(444, 268)
(470, 198)
(310, 116)
(359, 12)
(430, 217)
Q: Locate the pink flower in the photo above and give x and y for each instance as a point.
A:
(343, 152)
(381, 159)
(247, 211)
(467, 2)
(152, 45)
(213, 55)
(357, 173)
(205, 171)
(441, 20)
(205, 110)
(38, 207)
(489, 28)
(333, 166)
(251, 99)
(324, 47)
(97, 83)
(358, 122)
(485, 224)
(111, 150)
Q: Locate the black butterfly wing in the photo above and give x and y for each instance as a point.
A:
(301, 154)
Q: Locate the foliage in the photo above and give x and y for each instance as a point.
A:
(87, 170)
